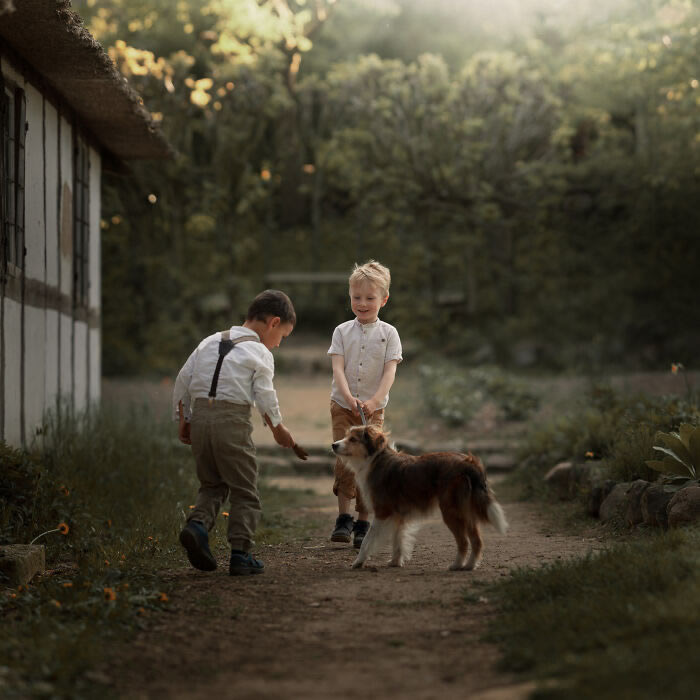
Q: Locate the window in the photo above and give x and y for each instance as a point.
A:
(81, 222)
(12, 135)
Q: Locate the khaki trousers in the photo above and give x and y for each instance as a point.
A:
(341, 420)
(226, 466)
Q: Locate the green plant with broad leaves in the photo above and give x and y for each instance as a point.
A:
(681, 450)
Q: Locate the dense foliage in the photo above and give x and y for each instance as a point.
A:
(529, 176)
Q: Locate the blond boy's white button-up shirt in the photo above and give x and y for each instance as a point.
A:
(366, 348)
(245, 377)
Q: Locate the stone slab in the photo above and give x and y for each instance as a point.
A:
(19, 563)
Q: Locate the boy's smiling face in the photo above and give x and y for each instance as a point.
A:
(366, 299)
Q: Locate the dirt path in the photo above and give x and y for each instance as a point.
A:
(311, 627)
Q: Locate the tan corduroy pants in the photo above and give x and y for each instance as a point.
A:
(226, 466)
(341, 420)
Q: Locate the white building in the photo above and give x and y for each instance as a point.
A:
(66, 114)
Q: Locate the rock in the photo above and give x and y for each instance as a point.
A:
(569, 478)
(275, 465)
(598, 493)
(19, 563)
(560, 478)
(633, 513)
(408, 446)
(500, 462)
(654, 502)
(314, 465)
(615, 504)
(684, 507)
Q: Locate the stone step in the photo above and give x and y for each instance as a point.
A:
(276, 450)
(279, 466)
(322, 461)
(477, 447)
(502, 462)
(19, 563)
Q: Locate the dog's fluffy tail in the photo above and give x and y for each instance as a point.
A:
(497, 517)
(486, 507)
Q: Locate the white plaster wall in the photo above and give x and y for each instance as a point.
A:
(66, 218)
(95, 364)
(34, 187)
(65, 367)
(34, 369)
(51, 358)
(80, 368)
(12, 323)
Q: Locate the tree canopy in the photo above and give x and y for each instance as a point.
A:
(528, 172)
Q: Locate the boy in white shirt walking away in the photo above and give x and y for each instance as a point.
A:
(364, 354)
(226, 374)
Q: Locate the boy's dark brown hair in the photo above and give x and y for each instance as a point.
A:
(272, 302)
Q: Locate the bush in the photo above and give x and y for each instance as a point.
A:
(456, 394)
(610, 426)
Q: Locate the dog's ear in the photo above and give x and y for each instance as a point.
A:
(375, 439)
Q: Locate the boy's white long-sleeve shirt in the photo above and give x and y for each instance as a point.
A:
(245, 377)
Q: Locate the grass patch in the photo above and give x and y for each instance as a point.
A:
(122, 484)
(621, 623)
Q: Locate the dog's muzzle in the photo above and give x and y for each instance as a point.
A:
(334, 446)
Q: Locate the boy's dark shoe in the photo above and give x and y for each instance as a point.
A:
(343, 528)
(195, 539)
(243, 563)
(359, 531)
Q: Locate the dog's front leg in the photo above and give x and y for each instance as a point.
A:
(398, 556)
(369, 542)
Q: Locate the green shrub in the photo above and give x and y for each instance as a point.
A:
(20, 474)
(456, 394)
(606, 425)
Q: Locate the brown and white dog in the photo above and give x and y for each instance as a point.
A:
(402, 489)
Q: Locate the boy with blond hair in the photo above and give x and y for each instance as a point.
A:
(364, 354)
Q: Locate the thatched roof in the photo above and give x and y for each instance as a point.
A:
(49, 37)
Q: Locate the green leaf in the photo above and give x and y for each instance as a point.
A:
(673, 455)
(673, 442)
(667, 466)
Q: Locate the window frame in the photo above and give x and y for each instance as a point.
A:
(81, 221)
(13, 128)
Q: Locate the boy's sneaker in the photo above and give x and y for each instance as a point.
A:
(195, 539)
(243, 563)
(359, 531)
(343, 528)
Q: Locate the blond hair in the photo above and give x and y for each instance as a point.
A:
(374, 273)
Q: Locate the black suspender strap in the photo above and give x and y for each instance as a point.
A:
(225, 347)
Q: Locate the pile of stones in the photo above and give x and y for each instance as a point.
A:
(667, 502)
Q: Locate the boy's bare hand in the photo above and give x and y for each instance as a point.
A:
(354, 404)
(183, 432)
(282, 436)
(300, 452)
(369, 407)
